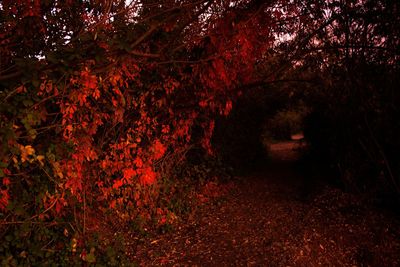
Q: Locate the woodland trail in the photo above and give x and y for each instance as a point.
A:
(267, 220)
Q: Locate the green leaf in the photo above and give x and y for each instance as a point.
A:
(3, 164)
(91, 258)
(32, 133)
(27, 102)
(19, 211)
(35, 83)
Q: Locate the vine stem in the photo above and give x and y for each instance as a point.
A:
(84, 209)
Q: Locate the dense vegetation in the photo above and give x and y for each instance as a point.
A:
(108, 108)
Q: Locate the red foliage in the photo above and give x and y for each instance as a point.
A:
(106, 111)
(4, 198)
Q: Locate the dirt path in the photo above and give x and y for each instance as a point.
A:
(266, 221)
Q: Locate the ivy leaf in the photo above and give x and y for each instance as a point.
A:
(27, 102)
(91, 258)
(3, 164)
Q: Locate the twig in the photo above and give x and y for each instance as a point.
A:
(46, 210)
(36, 222)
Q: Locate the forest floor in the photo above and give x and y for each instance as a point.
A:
(270, 218)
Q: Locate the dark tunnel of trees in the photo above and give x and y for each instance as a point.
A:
(348, 116)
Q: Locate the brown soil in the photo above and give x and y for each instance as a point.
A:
(266, 221)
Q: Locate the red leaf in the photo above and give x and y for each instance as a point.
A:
(113, 204)
(138, 162)
(159, 150)
(58, 207)
(148, 177)
(6, 181)
(129, 173)
(4, 197)
(117, 184)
